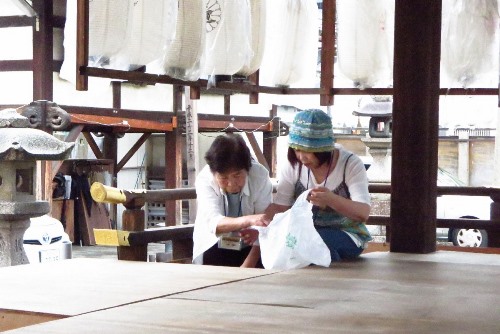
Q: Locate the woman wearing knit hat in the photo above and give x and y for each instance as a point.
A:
(337, 180)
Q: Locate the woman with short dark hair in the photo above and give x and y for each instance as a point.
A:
(232, 193)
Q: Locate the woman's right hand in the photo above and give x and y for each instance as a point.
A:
(257, 220)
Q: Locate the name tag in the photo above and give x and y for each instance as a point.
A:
(231, 241)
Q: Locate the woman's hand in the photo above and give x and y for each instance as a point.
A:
(249, 235)
(321, 197)
(256, 220)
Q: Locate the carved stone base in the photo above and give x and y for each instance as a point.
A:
(11, 242)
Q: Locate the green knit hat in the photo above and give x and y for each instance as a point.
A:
(311, 131)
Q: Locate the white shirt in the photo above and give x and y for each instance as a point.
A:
(355, 178)
(256, 196)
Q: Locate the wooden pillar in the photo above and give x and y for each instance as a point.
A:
(42, 78)
(42, 51)
(110, 148)
(133, 220)
(110, 151)
(253, 97)
(415, 113)
(494, 235)
(173, 163)
(227, 104)
(327, 52)
(82, 43)
(270, 142)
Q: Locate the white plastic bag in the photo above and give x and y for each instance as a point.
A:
(290, 241)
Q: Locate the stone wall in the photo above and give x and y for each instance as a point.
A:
(481, 151)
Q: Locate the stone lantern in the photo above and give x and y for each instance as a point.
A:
(379, 143)
(20, 147)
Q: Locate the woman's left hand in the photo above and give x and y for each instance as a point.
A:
(321, 197)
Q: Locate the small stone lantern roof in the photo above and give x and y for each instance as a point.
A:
(375, 109)
(21, 142)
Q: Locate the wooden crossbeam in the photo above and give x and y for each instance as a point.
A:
(106, 237)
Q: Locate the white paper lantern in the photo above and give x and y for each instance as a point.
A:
(183, 56)
(108, 23)
(228, 46)
(152, 29)
(365, 40)
(291, 43)
(258, 24)
(469, 36)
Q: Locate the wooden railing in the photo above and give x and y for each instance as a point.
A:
(492, 224)
(132, 242)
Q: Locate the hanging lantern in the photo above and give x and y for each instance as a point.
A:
(228, 46)
(108, 22)
(258, 28)
(152, 29)
(183, 56)
(469, 33)
(292, 42)
(365, 40)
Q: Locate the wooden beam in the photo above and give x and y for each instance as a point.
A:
(140, 238)
(24, 65)
(194, 93)
(119, 124)
(93, 145)
(247, 88)
(16, 21)
(415, 126)
(43, 51)
(173, 162)
(492, 192)
(256, 150)
(270, 141)
(132, 151)
(327, 52)
(117, 94)
(133, 220)
(254, 80)
(146, 115)
(227, 104)
(82, 44)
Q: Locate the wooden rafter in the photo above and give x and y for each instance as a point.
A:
(132, 151)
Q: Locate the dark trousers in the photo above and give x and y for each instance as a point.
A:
(216, 256)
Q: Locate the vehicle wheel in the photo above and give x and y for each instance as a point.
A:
(470, 238)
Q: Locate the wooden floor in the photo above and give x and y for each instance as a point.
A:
(382, 292)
